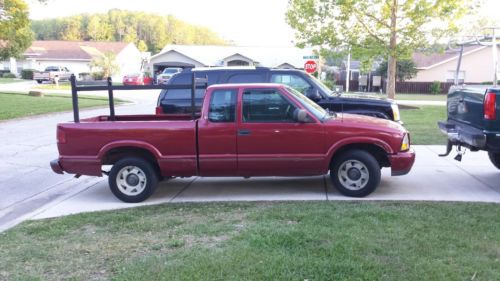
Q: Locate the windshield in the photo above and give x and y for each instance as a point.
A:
(170, 70)
(320, 85)
(311, 106)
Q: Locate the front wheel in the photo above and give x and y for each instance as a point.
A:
(495, 158)
(132, 179)
(355, 173)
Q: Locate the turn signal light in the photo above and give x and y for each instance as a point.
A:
(405, 144)
(490, 106)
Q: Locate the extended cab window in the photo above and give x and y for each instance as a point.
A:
(222, 106)
(266, 106)
(294, 81)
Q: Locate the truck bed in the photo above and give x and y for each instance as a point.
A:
(143, 117)
(171, 139)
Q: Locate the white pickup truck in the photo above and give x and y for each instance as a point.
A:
(52, 73)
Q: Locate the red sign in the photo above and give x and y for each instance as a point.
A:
(310, 66)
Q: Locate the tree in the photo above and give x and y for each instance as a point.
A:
(142, 46)
(15, 31)
(98, 29)
(405, 69)
(392, 29)
(106, 63)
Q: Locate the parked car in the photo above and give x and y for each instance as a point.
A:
(52, 73)
(473, 120)
(179, 100)
(244, 130)
(166, 74)
(137, 79)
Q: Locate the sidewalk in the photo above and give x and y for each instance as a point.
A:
(432, 179)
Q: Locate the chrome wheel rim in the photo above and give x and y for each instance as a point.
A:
(131, 180)
(353, 175)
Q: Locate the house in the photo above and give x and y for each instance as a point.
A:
(476, 65)
(76, 56)
(213, 56)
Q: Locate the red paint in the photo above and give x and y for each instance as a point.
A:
(137, 79)
(310, 66)
(272, 149)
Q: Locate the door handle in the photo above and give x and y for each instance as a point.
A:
(244, 132)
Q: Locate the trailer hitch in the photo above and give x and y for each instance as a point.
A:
(460, 153)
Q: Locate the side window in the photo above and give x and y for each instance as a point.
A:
(246, 78)
(266, 106)
(222, 106)
(294, 81)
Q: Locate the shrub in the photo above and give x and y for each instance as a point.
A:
(99, 75)
(436, 87)
(27, 74)
(8, 75)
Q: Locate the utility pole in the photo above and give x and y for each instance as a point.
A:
(495, 57)
(348, 71)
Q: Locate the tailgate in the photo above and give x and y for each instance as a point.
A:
(465, 105)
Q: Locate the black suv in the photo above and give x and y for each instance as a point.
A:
(179, 101)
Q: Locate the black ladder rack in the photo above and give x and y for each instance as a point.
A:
(110, 88)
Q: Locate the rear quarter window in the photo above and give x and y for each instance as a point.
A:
(246, 78)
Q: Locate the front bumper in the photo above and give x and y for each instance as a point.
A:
(461, 134)
(402, 162)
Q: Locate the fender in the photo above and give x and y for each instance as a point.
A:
(129, 143)
(356, 140)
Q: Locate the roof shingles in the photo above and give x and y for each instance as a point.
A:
(72, 50)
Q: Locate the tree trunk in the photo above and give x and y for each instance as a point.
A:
(391, 64)
(391, 77)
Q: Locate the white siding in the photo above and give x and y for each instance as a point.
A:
(129, 60)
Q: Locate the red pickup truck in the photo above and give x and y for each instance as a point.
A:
(244, 130)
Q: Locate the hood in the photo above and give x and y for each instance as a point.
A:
(368, 123)
(363, 97)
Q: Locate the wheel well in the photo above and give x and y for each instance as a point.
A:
(376, 151)
(115, 154)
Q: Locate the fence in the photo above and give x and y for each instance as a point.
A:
(401, 87)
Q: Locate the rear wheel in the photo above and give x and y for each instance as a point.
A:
(355, 173)
(495, 158)
(132, 179)
(39, 81)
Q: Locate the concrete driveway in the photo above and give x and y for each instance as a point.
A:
(432, 179)
(28, 145)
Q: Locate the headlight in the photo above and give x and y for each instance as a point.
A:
(405, 144)
(395, 111)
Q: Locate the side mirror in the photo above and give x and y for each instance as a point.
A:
(313, 94)
(300, 115)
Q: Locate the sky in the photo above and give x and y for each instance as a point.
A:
(245, 22)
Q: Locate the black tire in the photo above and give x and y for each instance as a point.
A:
(39, 81)
(139, 182)
(495, 158)
(355, 173)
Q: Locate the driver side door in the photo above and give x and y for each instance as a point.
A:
(271, 142)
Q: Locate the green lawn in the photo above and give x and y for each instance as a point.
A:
(50, 86)
(419, 97)
(9, 80)
(14, 105)
(261, 241)
(422, 124)
(62, 86)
